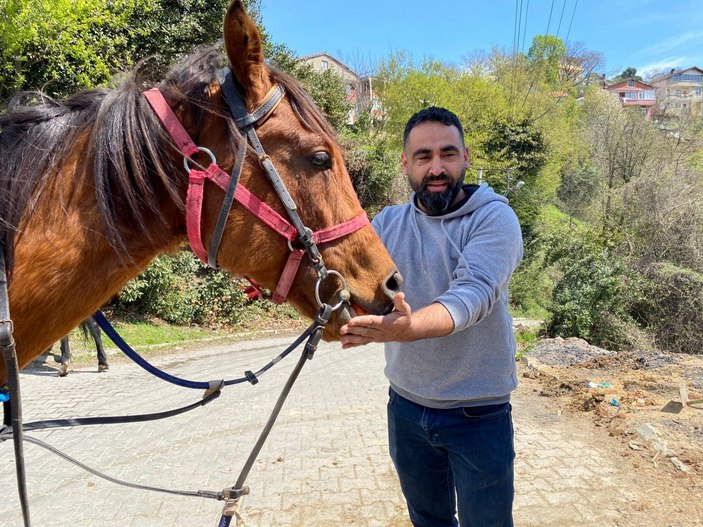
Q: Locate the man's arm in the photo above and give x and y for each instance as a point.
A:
(401, 325)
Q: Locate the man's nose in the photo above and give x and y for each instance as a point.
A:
(436, 167)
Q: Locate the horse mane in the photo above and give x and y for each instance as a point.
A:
(127, 149)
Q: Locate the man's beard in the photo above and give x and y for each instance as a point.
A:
(437, 203)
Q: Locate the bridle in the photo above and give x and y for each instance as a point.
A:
(293, 230)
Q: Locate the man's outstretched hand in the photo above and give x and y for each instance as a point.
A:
(395, 326)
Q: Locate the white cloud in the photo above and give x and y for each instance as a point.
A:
(664, 64)
(672, 43)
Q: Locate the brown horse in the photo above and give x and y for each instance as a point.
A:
(93, 188)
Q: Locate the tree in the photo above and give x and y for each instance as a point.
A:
(60, 46)
(546, 56)
(628, 72)
(165, 31)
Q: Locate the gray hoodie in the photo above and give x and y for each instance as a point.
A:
(463, 260)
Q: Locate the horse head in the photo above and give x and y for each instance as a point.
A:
(301, 146)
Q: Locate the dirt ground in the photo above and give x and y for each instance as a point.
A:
(651, 403)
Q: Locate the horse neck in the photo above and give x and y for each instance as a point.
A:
(65, 267)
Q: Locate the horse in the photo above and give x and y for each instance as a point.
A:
(94, 187)
(89, 325)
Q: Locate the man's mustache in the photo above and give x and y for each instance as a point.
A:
(433, 179)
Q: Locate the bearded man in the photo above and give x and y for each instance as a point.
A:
(450, 348)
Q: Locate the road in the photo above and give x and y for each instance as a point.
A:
(325, 463)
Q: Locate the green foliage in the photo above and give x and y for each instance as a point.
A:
(328, 91)
(520, 146)
(578, 188)
(60, 46)
(545, 57)
(181, 290)
(526, 340)
(596, 292)
(672, 307)
(372, 163)
(531, 288)
(165, 31)
(406, 87)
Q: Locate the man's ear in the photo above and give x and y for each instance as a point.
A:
(404, 163)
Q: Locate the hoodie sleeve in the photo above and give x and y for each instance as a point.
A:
(490, 253)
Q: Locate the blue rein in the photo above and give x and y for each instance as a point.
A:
(249, 376)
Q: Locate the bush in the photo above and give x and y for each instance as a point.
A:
(594, 297)
(373, 166)
(672, 307)
(181, 290)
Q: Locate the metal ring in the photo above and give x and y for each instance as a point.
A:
(213, 159)
(344, 288)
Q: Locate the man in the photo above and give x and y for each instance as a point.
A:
(450, 358)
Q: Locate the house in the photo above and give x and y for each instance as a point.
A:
(359, 88)
(634, 92)
(679, 92)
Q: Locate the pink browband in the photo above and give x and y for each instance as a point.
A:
(194, 200)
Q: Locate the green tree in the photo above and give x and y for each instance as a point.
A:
(59, 46)
(165, 31)
(546, 56)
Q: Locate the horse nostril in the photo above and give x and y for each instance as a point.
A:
(393, 284)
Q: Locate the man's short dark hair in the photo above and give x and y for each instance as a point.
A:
(433, 114)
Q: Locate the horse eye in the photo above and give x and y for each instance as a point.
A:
(321, 159)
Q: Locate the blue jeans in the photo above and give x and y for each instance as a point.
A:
(461, 457)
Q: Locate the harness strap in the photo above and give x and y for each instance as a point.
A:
(171, 122)
(290, 230)
(250, 377)
(14, 405)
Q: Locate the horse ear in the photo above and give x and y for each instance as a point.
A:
(245, 53)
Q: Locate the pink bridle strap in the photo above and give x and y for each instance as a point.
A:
(195, 193)
(296, 256)
(171, 122)
(197, 178)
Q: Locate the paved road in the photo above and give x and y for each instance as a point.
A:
(325, 464)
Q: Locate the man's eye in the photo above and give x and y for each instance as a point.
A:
(321, 159)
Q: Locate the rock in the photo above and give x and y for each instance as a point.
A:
(680, 465)
(529, 362)
(645, 431)
(661, 447)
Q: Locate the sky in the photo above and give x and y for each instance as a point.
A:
(649, 35)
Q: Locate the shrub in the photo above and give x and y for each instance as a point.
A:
(672, 307)
(596, 292)
(180, 290)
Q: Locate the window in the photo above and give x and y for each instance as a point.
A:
(698, 78)
(325, 65)
(631, 83)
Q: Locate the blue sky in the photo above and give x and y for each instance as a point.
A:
(644, 34)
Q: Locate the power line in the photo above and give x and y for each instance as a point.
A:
(550, 18)
(563, 6)
(524, 31)
(516, 42)
(572, 21)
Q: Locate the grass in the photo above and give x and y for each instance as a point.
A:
(153, 337)
(526, 340)
(143, 334)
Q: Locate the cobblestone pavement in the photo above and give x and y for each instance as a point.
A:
(325, 463)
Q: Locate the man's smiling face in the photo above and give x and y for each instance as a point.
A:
(435, 160)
